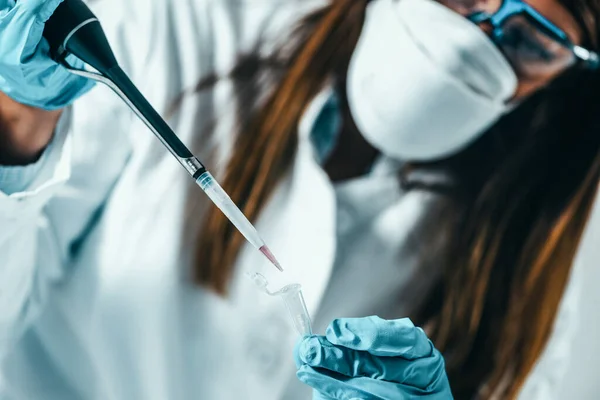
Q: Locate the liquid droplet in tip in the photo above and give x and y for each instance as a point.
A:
(265, 250)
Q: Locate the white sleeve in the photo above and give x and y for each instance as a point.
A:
(15, 179)
(44, 214)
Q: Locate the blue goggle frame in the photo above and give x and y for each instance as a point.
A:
(510, 8)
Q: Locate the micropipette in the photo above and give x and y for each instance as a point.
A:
(74, 29)
(293, 300)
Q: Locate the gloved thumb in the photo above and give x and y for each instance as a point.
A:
(41, 10)
(297, 359)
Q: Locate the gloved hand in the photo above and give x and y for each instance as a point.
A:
(372, 358)
(27, 73)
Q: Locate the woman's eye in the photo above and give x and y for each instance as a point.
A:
(526, 46)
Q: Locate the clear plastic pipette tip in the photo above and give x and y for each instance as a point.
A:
(293, 300)
(222, 200)
(265, 250)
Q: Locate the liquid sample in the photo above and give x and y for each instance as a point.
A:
(265, 250)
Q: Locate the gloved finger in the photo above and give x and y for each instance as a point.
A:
(22, 27)
(391, 338)
(6, 5)
(320, 396)
(41, 10)
(330, 385)
(5, 11)
(297, 358)
(318, 352)
(340, 387)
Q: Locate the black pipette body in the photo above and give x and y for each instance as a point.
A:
(74, 29)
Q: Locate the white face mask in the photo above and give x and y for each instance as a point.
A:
(424, 82)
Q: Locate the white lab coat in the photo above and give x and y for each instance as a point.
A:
(95, 298)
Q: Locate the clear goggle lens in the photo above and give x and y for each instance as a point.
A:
(532, 53)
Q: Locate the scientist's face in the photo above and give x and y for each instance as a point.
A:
(538, 75)
(458, 67)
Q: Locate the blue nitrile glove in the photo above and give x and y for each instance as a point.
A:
(27, 73)
(372, 358)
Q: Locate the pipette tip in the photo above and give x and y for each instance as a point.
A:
(265, 250)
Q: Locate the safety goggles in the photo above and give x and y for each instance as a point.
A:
(532, 44)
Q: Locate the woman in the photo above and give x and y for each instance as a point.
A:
(370, 205)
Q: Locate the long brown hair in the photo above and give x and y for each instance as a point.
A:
(512, 221)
